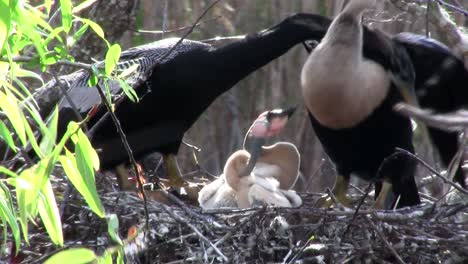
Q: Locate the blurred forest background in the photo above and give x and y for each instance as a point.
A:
(220, 130)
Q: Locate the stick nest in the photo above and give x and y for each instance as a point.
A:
(429, 233)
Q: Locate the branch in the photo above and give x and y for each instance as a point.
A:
(129, 151)
(450, 34)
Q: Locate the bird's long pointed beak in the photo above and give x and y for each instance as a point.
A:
(290, 111)
(254, 147)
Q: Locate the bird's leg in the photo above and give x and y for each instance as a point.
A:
(122, 178)
(381, 199)
(173, 171)
(339, 190)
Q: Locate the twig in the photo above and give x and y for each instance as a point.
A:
(387, 244)
(176, 29)
(129, 151)
(200, 235)
(69, 100)
(361, 202)
(165, 55)
(454, 185)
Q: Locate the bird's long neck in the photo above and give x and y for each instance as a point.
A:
(344, 37)
(236, 60)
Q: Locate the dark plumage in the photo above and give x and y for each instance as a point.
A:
(441, 85)
(175, 92)
(350, 105)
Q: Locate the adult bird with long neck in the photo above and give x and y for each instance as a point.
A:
(175, 91)
(440, 78)
(350, 106)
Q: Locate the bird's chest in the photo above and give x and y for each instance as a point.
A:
(343, 95)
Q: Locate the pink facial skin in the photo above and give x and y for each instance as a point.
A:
(264, 129)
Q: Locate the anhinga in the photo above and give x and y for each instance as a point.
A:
(440, 79)
(175, 91)
(257, 175)
(350, 94)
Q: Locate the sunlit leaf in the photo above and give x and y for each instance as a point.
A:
(119, 259)
(78, 34)
(25, 197)
(96, 28)
(49, 139)
(66, 10)
(88, 150)
(47, 5)
(83, 5)
(48, 210)
(9, 105)
(80, 182)
(112, 57)
(31, 137)
(5, 135)
(5, 17)
(7, 213)
(106, 258)
(113, 228)
(72, 256)
(55, 34)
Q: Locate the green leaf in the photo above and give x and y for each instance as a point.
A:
(5, 135)
(112, 57)
(9, 105)
(128, 90)
(96, 28)
(5, 16)
(54, 35)
(48, 210)
(88, 150)
(88, 191)
(8, 172)
(47, 5)
(25, 197)
(49, 139)
(83, 5)
(106, 258)
(119, 259)
(72, 256)
(7, 214)
(78, 34)
(93, 80)
(113, 228)
(31, 138)
(66, 10)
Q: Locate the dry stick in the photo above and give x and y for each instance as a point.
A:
(129, 151)
(445, 180)
(236, 228)
(200, 235)
(387, 244)
(177, 29)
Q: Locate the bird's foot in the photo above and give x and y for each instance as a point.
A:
(327, 201)
(174, 176)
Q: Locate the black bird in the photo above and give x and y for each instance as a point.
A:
(441, 84)
(174, 92)
(351, 106)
